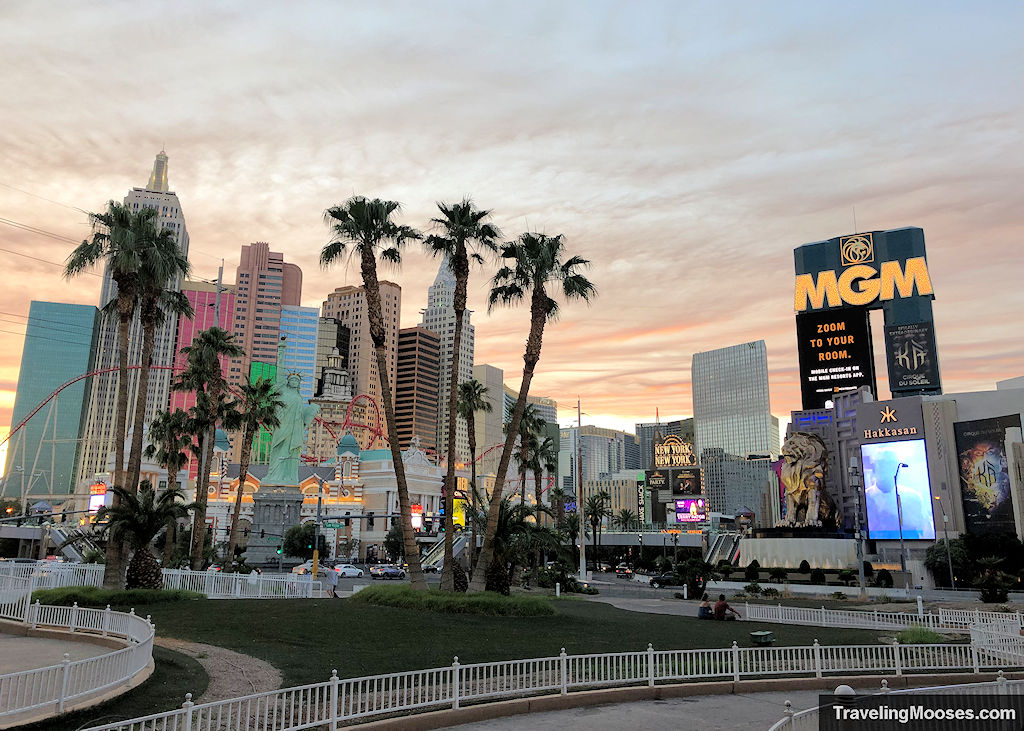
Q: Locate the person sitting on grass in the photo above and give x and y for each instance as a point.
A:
(704, 610)
(721, 607)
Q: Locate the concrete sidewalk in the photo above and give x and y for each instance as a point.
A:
(28, 653)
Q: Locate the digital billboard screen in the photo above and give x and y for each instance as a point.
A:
(835, 354)
(686, 481)
(657, 479)
(984, 474)
(691, 510)
(910, 350)
(881, 462)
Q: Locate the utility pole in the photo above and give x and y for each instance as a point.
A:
(579, 490)
(949, 546)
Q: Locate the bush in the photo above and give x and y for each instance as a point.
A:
(91, 596)
(847, 576)
(805, 568)
(771, 593)
(459, 579)
(918, 635)
(817, 576)
(483, 603)
(778, 574)
(883, 579)
(869, 570)
(726, 571)
(753, 571)
(839, 595)
(753, 588)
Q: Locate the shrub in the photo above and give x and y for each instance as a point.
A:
(778, 574)
(883, 579)
(459, 579)
(497, 578)
(726, 571)
(817, 576)
(918, 635)
(847, 576)
(482, 603)
(587, 590)
(869, 570)
(805, 568)
(92, 596)
(94, 555)
(771, 593)
(753, 571)
(753, 588)
(839, 595)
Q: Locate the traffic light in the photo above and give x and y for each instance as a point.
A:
(369, 520)
(279, 552)
(309, 546)
(348, 520)
(263, 533)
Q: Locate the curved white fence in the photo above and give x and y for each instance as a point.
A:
(945, 620)
(52, 688)
(217, 585)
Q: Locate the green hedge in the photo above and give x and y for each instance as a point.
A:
(483, 603)
(91, 596)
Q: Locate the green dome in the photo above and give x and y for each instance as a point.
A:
(348, 443)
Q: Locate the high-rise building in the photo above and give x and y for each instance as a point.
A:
(264, 284)
(646, 436)
(347, 305)
(299, 326)
(732, 419)
(489, 431)
(604, 453)
(59, 346)
(203, 298)
(439, 317)
(331, 336)
(544, 407)
(419, 352)
(98, 433)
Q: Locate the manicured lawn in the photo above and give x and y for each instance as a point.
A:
(305, 639)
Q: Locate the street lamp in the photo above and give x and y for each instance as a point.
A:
(949, 546)
(899, 519)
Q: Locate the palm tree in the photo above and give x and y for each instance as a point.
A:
(120, 237)
(257, 405)
(625, 519)
(595, 510)
(136, 518)
(169, 436)
(544, 457)
(364, 228)
(530, 427)
(472, 398)
(204, 375)
(163, 265)
(535, 263)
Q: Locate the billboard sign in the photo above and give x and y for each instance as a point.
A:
(98, 496)
(910, 351)
(835, 353)
(657, 479)
(691, 510)
(887, 421)
(685, 481)
(641, 496)
(673, 452)
(984, 474)
(892, 469)
(417, 515)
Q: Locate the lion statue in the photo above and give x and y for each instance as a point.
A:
(808, 503)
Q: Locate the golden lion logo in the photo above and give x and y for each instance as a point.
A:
(856, 249)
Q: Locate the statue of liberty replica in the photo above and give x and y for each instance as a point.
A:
(278, 502)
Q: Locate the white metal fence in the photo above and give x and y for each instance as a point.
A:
(52, 688)
(53, 574)
(945, 620)
(217, 585)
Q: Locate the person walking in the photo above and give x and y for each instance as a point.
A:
(331, 577)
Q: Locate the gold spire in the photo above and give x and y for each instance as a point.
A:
(158, 178)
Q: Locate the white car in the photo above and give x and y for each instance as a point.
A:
(348, 570)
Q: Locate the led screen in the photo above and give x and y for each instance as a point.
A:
(915, 498)
(691, 510)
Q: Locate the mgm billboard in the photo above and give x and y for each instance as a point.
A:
(838, 283)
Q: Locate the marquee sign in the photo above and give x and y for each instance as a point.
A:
(673, 452)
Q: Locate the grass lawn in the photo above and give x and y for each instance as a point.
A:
(305, 638)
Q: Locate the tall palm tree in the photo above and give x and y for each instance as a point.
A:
(162, 267)
(204, 375)
(136, 518)
(530, 426)
(461, 228)
(625, 519)
(119, 238)
(364, 228)
(544, 457)
(257, 405)
(535, 263)
(169, 437)
(595, 510)
(472, 398)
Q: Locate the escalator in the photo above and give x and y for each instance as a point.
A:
(72, 543)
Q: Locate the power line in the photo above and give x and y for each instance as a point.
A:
(40, 337)
(42, 198)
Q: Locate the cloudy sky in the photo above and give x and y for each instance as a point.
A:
(685, 148)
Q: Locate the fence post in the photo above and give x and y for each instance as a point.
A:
(1001, 684)
(65, 677)
(817, 659)
(885, 686)
(74, 617)
(187, 705)
(558, 590)
(106, 620)
(28, 599)
(650, 665)
(563, 665)
(34, 614)
(334, 700)
(896, 654)
(735, 662)
(259, 587)
(920, 607)
(823, 616)
(977, 616)
(455, 683)
(975, 660)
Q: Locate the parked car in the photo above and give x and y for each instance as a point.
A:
(348, 570)
(386, 571)
(669, 579)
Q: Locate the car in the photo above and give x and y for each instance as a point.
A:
(386, 571)
(669, 579)
(432, 568)
(622, 571)
(348, 570)
(303, 568)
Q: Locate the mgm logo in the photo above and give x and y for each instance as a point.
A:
(856, 249)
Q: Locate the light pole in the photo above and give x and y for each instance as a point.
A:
(280, 550)
(579, 491)
(949, 546)
(899, 519)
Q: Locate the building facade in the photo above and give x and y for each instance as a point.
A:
(647, 434)
(489, 431)
(331, 336)
(416, 402)
(98, 436)
(60, 343)
(300, 328)
(603, 452)
(439, 317)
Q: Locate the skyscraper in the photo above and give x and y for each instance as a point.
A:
(489, 424)
(98, 432)
(439, 317)
(347, 305)
(331, 336)
(544, 407)
(605, 452)
(299, 327)
(732, 420)
(416, 393)
(645, 437)
(59, 346)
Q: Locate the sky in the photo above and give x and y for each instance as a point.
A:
(684, 148)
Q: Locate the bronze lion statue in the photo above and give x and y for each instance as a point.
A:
(808, 503)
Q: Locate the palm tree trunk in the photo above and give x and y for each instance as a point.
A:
(471, 428)
(199, 514)
(376, 318)
(447, 570)
(141, 397)
(113, 570)
(534, 341)
(537, 478)
(172, 528)
(243, 470)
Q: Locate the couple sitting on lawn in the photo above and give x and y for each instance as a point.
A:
(705, 611)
